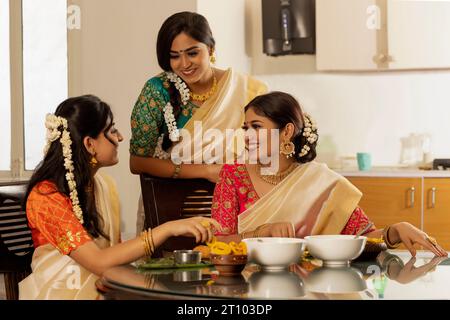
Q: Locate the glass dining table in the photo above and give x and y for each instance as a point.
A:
(391, 275)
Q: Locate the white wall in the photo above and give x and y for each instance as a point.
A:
(371, 112)
(228, 23)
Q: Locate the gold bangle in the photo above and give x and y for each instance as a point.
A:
(176, 173)
(144, 238)
(152, 243)
(149, 248)
(387, 241)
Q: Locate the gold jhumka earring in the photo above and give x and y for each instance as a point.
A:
(93, 162)
(287, 148)
(213, 58)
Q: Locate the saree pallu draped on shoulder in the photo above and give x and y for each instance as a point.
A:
(315, 199)
(224, 110)
(57, 276)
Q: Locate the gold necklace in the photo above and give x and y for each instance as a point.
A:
(275, 179)
(205, 96)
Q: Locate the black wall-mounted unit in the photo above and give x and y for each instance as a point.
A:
(289, 27)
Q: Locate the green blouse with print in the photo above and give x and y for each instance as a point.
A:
(147, 118)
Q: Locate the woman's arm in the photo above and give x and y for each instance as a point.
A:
(409, 235)
(166, 168)
(98, 260)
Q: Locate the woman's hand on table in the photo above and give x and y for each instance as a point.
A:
(409, 235)
(278, 229)
(201, 228)
(408, 272)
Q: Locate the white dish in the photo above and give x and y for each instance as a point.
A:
(335, 250)
(276, 285)
(335, 280)
(274, 254)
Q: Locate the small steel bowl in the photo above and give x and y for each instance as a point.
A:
(187, 257)
(187, 275)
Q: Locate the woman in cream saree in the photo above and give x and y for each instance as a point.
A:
(301, 197)
(73, 210)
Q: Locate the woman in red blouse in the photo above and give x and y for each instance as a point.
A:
(300, 197)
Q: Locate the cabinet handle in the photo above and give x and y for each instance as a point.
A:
(412, 191)
(383, 58)
(433, 197)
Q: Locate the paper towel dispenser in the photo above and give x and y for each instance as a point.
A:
(289, 27)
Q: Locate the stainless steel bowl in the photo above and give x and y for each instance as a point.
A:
(187, 276)
(187, 257)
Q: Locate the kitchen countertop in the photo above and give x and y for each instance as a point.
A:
(395, 173)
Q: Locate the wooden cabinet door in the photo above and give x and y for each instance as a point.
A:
(390, 200)
(436, 218)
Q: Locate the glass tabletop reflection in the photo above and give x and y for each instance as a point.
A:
(391, 275)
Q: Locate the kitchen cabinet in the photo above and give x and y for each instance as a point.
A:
(369, 35)
(390, 200)
(421, 201)
(436, 209)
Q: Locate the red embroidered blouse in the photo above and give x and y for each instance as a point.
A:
(234, 193)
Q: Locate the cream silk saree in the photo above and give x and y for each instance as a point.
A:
(315, 199)
(57, 276)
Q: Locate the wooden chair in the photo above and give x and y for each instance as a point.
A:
(171, 199)
(16, 245)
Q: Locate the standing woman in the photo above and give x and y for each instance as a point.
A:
(73, 210)
(189, 90)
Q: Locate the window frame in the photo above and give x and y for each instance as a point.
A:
(16, 78)
(17, 170)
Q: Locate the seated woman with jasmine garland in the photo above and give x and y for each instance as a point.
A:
(73, 208)
(304, 197)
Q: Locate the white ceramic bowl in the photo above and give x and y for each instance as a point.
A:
(274, 254)
(335, 280)
(335, 250)
(276, 285)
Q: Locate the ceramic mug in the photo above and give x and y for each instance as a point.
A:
(364, 161)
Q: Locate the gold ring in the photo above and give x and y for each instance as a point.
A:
(432, 240)
(205, 223)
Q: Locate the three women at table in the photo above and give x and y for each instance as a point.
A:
(302, 197)
(73, 209)
(189, 91)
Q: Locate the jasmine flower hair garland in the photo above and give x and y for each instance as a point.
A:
(53, 123)
(169, 117)
(309, 132)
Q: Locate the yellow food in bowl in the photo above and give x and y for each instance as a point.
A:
(223, 248)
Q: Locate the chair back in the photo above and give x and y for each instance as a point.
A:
(16, 245)
(171, 199)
